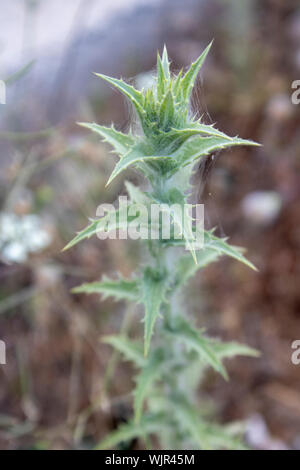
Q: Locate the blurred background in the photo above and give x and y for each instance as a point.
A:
(61, 388)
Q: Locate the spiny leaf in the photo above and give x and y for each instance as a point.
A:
(131, 350)
(135, 96)
(165, 63)
(176, 84)
(120, 142)
(85, 233)
(222, 247)
(161, 81)
(153, 288)
(166, 113)
(149, 106)
(133, 156)
(189, 151)
(219, 438)
(149, 424)
(198, 128)
(120, 289)
(186, 266)
(145, 380)
(175, 207)
(195, 340)
(189, 78)
(136, 195)
(228, 350)
(188, 419)
(113, 220)
(200, 146)
(206, 435)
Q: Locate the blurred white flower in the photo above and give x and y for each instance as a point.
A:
(14, 252)
(262, 207)
(21, 235)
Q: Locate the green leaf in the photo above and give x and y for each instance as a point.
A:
(206, 435)
(186, 266)
(120, 289)
(113, 220)
(149, 424)
(85, 233)
(144, 381)
(161, 81)
(120, 142)
(135, 96)
(189, 151)
(200, 146)
(175, 206)
(19, 74)
(189, 78)
(136, 195)
(165, 63)
(176, 83)
(198, 128)
(153, 288)
(195, 340)
(232, 349)
(131, 350)
(166, 113)
(174, 137)
(219, 438)
(223, 248)
(133, 156)
(188, 418)
(217, 244)
(150, 106)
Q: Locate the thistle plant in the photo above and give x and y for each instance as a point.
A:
(167, 142)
